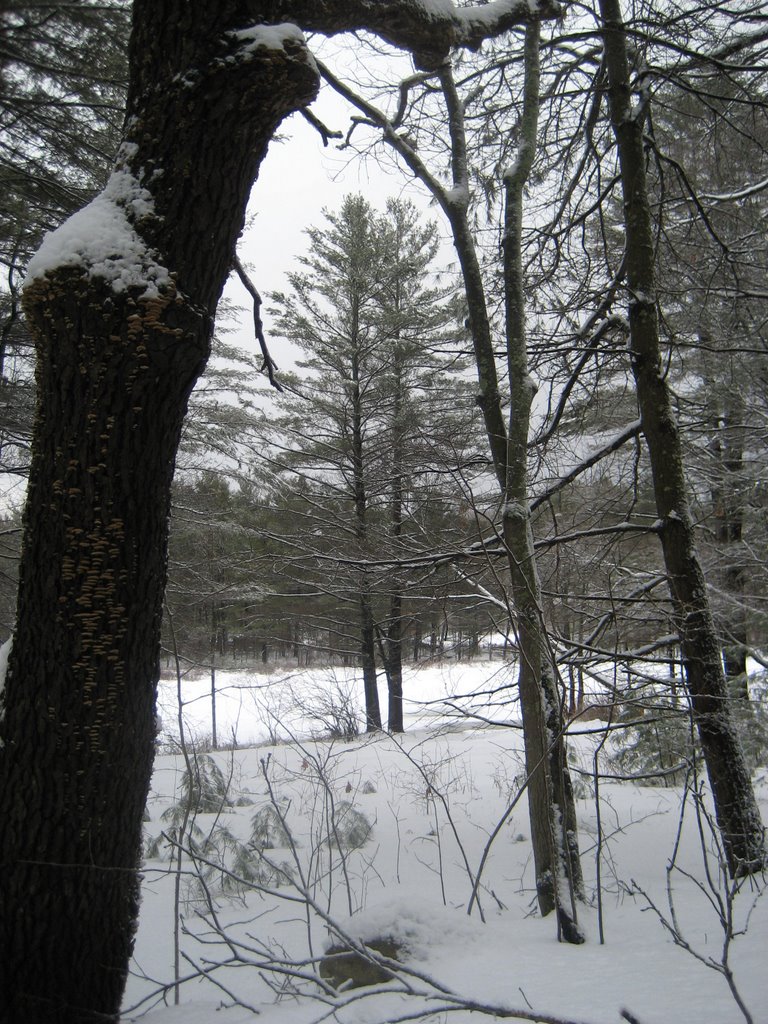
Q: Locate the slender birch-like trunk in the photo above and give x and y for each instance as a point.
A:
(550, 794)
(558, 869)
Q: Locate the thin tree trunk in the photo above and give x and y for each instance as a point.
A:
(367, 626)
(368, 659)
(394, 639)
(541, 710)
(556, 852)
(728, 450)
(394, 643)
(735, 806)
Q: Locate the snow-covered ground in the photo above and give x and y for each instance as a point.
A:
(431, 798)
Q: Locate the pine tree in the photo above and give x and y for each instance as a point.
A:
(63, 76)
(381, 400)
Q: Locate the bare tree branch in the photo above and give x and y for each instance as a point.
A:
(268, 363)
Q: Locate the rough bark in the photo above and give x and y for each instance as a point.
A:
(115, 369)
(735, 805)
(395, 723)
(554, 834)
(368, 660)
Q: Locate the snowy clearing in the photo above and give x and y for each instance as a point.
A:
(382, 838)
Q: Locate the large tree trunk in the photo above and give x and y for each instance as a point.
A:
(735, 806)
(117, 357)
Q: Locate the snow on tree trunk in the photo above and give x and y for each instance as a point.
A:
(121, 300)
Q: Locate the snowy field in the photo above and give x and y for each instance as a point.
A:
(253, 707)
(304, 842)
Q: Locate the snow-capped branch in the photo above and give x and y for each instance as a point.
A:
(735, 196)
(598, 531)
(607, 449)
(429, 29)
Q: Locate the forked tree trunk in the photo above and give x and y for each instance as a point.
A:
(737, 813)
(550, 796)
(115, 368)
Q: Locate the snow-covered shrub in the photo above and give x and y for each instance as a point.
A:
(163, 845)
(351, 829)
(267, 830)
(346, 968)
(204, 790)
(665, 738)
(250, 867)
(583, 785)
(658, 749)
(152, 847)
(333, 709)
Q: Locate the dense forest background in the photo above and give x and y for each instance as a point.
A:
(549, 447)
(365, 484)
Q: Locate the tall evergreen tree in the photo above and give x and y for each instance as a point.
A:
(426, 419)
(710, 143)
(333, 319)
(379, 395)
(63, 75)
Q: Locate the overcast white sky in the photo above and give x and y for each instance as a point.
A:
(299, 178)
